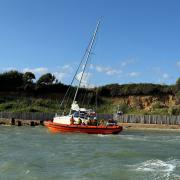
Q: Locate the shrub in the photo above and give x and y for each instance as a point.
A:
(174, 110)
(123, 107)
(157, 105)
(177, 98)
(11, 80)
(178, 84)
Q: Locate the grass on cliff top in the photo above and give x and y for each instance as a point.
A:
(107, 106)
(30, 105)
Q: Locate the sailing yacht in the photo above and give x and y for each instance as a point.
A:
(80, 119)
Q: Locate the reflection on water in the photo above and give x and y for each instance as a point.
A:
(35, 153)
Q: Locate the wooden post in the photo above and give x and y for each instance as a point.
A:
(32, 123)
(19, 123)
(12, 121)
(42, 123)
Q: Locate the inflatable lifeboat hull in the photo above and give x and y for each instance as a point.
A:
(65, 128)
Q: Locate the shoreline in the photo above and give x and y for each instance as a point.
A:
(154, 127)
(126, 126)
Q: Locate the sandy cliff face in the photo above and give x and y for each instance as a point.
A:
(146, 102)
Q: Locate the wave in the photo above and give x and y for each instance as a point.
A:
(106, 135)
(144, 138)
(134, 137)
(173, 139)
(156, 165)
(125, 137)
(158, 168)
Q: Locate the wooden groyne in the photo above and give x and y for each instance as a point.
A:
(148, 119)
(24, 119)
(34, 119)
(20, 122)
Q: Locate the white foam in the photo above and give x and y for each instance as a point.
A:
(173, 139)
(105, 135)
(159, 168)
(27, 172)
(133, 137)
(156, 165)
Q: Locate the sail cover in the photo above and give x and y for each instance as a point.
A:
(75, 106)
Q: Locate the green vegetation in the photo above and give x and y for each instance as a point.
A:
(21, 92)
(46, 79)
(116, 90)
(123, 108)
(157, 105)
(178, 85)
(174, 110)
(30, 105)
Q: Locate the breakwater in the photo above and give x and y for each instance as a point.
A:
(33, 119)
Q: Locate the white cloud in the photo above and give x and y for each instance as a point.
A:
(107, 70)
(165, 76)
(85, 78)
(127, 62)
(134, 74)
(60, 72)
(63, 72)
(66, 67)
(178, 63)
(91, 66)
(60, 75)
(156, 70)
(9, 69)
(39, 70)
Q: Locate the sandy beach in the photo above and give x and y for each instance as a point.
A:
(139, 126)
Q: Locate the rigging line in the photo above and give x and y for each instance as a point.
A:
(89, 64)
(96, 99)
(86, 90)
(87, 58)
(86, 80)
(69, 98)
(75, 75)
(83, 97)
(89, 99)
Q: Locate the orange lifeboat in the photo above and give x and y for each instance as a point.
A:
(74, 128)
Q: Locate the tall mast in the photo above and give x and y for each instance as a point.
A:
(87, 58)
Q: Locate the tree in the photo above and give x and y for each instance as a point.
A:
(28, 77)
(11, 80)
(178, 84)
(46, 79)
(177, 97)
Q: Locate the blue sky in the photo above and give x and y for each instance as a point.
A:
(138, 41)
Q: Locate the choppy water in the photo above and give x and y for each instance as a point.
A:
(33, 154)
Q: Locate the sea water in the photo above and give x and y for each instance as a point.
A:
(28, 153)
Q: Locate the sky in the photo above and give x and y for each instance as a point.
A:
(138, 40)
